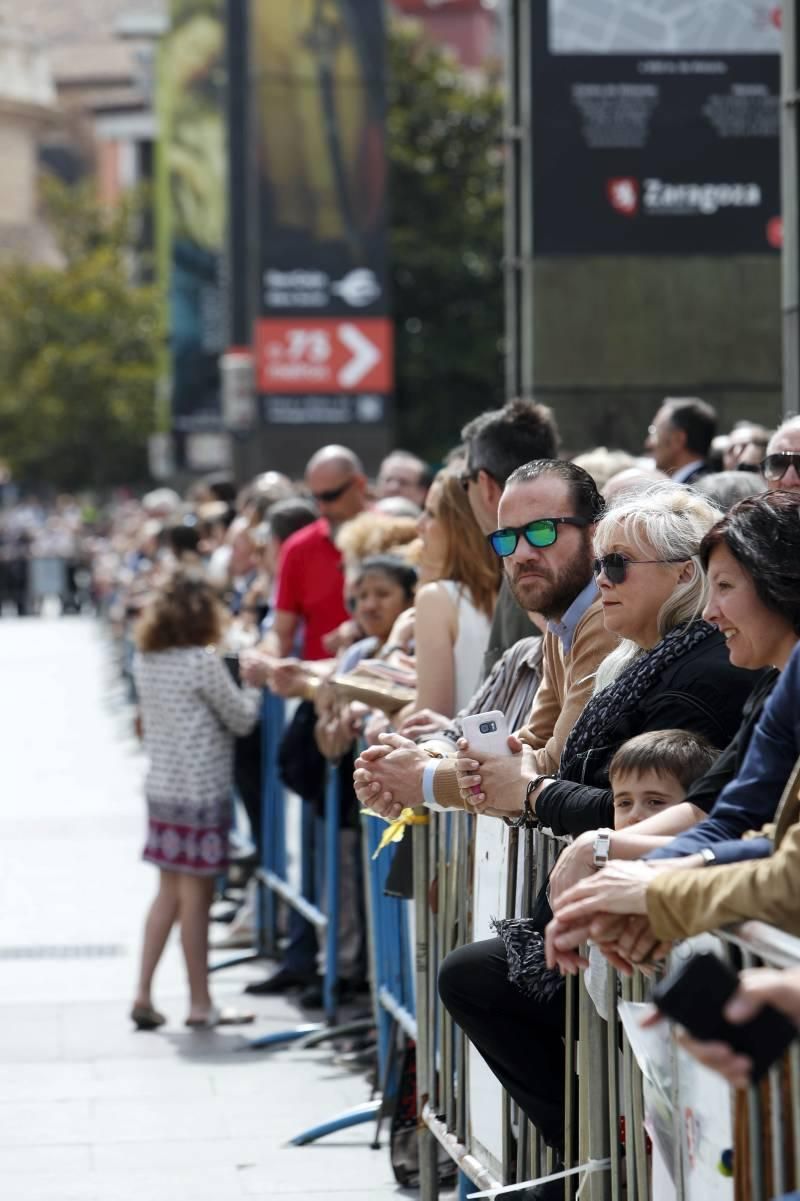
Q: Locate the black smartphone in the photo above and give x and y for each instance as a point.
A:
(232, 663)
(694, 995)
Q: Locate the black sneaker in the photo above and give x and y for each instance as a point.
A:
(282, 981)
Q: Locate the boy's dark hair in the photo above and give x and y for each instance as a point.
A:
(677, 753)
(501, 439)
(587, 501)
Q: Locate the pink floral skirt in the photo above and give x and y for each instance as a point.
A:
(188, 838)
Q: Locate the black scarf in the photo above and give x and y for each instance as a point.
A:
(623, 695)
(522, 937)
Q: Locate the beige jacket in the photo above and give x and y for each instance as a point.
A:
(567, 683)
(682, 903)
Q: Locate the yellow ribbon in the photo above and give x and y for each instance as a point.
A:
(396, 829)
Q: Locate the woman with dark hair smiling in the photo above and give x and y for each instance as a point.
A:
(752, 557)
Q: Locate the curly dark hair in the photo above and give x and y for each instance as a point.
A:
(185, 611)
(763, 535)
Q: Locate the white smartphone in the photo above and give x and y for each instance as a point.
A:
(487, 732)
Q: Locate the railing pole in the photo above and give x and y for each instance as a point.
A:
(429, 1188)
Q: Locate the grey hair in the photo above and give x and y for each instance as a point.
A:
(667, 521)
(791, 423)
(725, 488)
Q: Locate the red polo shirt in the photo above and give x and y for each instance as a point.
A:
(311, 585)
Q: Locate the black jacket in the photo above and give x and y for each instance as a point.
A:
(700, 692)
(704, 792)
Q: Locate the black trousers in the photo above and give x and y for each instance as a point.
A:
(520, 1038)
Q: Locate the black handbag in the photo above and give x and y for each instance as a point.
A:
(301, 764)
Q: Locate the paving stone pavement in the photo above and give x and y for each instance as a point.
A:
(91, 1110)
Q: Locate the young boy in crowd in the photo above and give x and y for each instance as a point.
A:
(647, 774)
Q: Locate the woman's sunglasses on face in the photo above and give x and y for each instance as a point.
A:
(615, 566)
(539, 533)
(774, 467)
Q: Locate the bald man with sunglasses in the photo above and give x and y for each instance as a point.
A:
(310, 578)
(547, 513)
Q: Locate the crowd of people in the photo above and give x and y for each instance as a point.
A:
(635, 620)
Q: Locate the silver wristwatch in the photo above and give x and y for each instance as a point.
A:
(601, 848)
(708, 856)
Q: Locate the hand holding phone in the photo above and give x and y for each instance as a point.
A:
(487, 733)
(695, 995)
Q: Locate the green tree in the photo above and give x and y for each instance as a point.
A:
(78, 347)
(445, 152)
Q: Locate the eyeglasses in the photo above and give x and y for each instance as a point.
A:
(332, 494)
(774, 467)
(616, 565)
(536, 533)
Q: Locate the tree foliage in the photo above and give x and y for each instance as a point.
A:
(78, 347)
(445, 150)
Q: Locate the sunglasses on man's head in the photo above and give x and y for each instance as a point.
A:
(536, 533)
(332, 494)
(615, 566)
(775, 466)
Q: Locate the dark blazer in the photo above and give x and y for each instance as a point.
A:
(701, 692)
(699, 471)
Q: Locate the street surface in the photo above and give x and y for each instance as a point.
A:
(91, 1110)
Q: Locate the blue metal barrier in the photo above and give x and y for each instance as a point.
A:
(272, 877)
(273, 842)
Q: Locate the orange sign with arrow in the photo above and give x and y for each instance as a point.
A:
(324, 355)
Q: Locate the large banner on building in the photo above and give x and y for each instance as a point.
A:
(323, 336)
(656, 127)
(191, 206)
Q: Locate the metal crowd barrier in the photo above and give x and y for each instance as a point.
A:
(389, 929)
(479, 867)
(272, 876)
(608, 1153)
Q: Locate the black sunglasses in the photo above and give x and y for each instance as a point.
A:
(332, 494)
(774, 467)
(616, 565)
(536, 533)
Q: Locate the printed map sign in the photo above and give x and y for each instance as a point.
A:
(656, 127)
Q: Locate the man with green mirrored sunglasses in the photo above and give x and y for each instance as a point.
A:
(549, 570)
(539, 533)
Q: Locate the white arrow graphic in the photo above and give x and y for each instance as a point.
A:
(365, 355)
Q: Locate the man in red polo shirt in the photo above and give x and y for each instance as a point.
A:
(310, 578)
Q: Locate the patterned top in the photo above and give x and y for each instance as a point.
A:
(191, 709)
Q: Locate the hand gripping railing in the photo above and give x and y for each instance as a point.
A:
(608, 1155)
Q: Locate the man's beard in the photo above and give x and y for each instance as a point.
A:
(537, 589)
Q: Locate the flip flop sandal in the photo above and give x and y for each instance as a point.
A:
(221, 1017)
(144, 1017)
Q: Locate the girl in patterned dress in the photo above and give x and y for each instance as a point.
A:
(191, 710)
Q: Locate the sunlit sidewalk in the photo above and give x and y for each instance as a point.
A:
(89, 1109)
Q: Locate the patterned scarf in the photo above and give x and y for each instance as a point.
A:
(622, 696)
